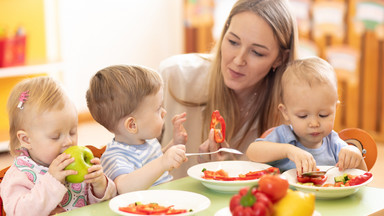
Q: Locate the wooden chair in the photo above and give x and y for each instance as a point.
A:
(97, 152)
(357, 137)
(2, 173)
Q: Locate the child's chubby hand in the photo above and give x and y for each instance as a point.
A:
(56, 169)
(303, 160)
(96, 177)
(180, 135)
(174, 157)
(349, 157)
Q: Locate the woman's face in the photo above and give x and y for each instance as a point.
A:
(249, 50)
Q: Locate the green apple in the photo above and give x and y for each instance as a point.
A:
(83, 157)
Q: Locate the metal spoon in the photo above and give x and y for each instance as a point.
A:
(229, 150)
(317, 173)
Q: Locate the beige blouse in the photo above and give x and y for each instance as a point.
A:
(187, 76)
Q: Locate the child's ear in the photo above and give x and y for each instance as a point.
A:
(23, 138)
(283, 111)
(130, 125)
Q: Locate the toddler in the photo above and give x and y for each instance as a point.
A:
(43, 123)
(309, 100)
(127, 101)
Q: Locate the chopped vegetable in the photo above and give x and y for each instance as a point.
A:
(222, 175)
(218, 121)
(151, 209)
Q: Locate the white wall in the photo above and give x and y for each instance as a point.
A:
(94, 34)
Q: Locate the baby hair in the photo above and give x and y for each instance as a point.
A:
(28, 98)
(116, 91)
(312, 70)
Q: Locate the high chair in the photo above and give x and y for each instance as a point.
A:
(357, 137)
(97, 152)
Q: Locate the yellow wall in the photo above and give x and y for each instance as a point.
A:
(30, 15)
(6, 86)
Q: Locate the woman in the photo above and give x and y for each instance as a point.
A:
(241, 79)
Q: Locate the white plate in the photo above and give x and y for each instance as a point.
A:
(179, 199)
(233, 168)
(226, 212)
(327, 192)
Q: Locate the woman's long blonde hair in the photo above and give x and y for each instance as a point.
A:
(264, 111)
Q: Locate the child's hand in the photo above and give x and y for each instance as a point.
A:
(179, 133)
(303, 160)
(56, 169)
(96, 177)
(174, 157)
(349, 157)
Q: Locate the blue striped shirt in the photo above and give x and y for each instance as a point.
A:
(326, 155)
(120, 158)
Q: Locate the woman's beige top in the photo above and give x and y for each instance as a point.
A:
(187, 76)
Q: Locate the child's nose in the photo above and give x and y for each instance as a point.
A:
(314, 122)
(69, 141)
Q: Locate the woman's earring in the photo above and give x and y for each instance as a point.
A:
(274, 70)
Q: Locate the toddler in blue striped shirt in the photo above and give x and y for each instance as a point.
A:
(127, 100)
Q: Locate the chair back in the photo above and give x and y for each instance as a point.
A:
(363, 141)
(2, 173)
(97, 152)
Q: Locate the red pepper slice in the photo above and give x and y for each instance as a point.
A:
(360, 179)
(216, 120)
(315, 180)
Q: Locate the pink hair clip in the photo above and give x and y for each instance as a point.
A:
(23, 98)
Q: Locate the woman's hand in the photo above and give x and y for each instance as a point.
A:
(96, 177)
(210, 145)
(56, 169)
(180, 135)
(174, 157)
(303, 160)
(349, 157)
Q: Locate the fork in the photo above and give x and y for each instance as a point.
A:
(229, 150)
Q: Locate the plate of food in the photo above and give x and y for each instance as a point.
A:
(334, 184)
(153, 202)
(229, 176)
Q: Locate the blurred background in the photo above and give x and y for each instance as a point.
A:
(73, 39)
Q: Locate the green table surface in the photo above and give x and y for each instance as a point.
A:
(366, 201)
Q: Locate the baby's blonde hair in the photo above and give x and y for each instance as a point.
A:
(44, 94)
(116, 91)
(309, 71)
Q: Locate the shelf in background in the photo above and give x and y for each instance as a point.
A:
(25, 70)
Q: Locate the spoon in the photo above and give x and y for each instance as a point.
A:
(229, 150)
(317, 173)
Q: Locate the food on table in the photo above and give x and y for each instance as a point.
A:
(312, 180)
(340, 181)
(349, 180)
(82, 163)
(151, 209)
(218, 124)
(295, 203)
(222, 175)
(250, 202)
(273, 186)
(272, 196)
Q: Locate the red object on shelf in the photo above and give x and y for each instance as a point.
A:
(12, 51)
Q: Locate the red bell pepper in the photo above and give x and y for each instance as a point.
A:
(250, 202)
(315, 180)
(360, 179)
(218, 121)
